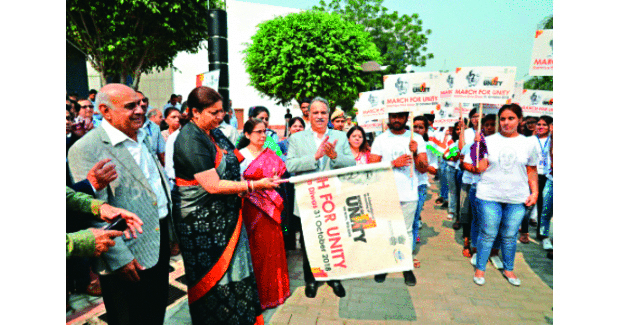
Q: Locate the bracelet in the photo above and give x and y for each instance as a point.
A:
(252, 188)
(248, 190)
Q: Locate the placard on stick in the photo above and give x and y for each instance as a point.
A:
(491, 85)
(412, 92)
(371, 110)
(537, 102)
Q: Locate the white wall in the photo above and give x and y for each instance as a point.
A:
(242, 21)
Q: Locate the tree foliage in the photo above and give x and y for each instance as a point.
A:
(399, 38)
(309, 54)
(544, 82)
(131, 37)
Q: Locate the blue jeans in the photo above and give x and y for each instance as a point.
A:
(548, 208)
(454, 186)
(443, 180)
(422, 195)
(498, 218)
(476, 217)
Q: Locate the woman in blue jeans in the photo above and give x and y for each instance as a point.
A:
(507, 186)
(421, 124)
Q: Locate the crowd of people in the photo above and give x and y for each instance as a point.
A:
(187, 182)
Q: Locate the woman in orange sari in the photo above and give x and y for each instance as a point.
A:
(213, 240)
(261, 212)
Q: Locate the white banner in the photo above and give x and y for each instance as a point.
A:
(352, 222)
(371, 110)
(537, 102)
(492, 85)
(543, 53)
(412, 92)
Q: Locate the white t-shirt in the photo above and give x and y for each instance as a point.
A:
(468, 177)
(169, 155)
(542, 147)
(506, 179)
(390, 146)
(423, 179)
(469, 134)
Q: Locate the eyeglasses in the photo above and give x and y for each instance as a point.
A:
(260, 132)
(90, 106)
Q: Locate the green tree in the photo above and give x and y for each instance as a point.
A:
(399, 38)
(309, 54)
(130, 37)
(544, 82)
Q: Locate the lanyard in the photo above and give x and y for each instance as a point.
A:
(544, 149)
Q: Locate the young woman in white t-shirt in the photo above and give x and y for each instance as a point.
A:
(421, 125)
(507, 186)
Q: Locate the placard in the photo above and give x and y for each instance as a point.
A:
(543, 53)
(537, 102)
(492, 85)
(352, 222)
(371, 110)
(208, 79)
(412, 92)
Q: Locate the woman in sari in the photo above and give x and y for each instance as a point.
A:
(261, 212)
(359, 145)
(213, 240)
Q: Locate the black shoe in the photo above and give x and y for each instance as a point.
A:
(311, 289)
(337, 288)
(409, 278)
(444, 205)
(550, 254)
(456, 225)
(439, 200)
(379, 278)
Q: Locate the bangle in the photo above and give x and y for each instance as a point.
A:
(252, 188)
(248, 190)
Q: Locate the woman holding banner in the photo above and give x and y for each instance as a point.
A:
(359, 145)
(507, 186)
(213, 240)
(261, 211)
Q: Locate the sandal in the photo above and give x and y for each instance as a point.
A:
(467, 252)
(417, 264)
(524, 238)
(440, 200)
(94, 288)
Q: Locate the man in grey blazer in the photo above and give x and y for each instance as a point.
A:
(313, 150)
(134, 272)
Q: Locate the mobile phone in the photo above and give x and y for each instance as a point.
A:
(117, 224)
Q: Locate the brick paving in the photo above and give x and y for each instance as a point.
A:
(444, 294)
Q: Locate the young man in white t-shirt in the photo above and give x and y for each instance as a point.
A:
(406, 155)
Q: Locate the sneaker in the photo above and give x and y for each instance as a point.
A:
(379, 278)
(547, 244)
(449, 216)
(473, 259)
(497, 262)
(409, 278)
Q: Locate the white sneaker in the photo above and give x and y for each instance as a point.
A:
(473, 259)
(547, 244)
(449, 216)
(497, 262)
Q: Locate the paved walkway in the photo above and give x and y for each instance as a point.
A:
(445, 293)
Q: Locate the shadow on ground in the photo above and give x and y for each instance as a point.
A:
(533, 254)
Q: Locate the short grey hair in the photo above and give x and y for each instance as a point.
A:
(151, 113)
(321, 100)
(103, 98)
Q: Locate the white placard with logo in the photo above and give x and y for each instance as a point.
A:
(517, 90)
(491, 85)
(537, 102)
(542, 63)
(444, 112)
(412, 92)
(371, 110)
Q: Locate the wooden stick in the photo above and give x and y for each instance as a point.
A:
(478, 144)
(411, 139)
